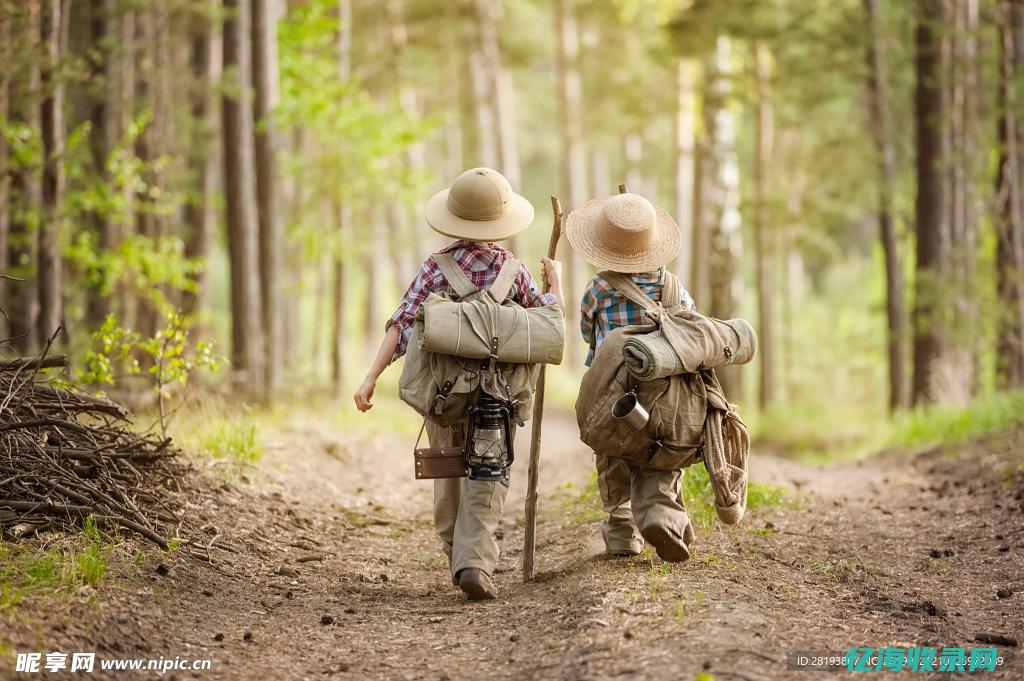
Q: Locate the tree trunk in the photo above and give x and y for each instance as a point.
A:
(23, 307)
(1009, 201)
(721, 197)
(271, 239)
(684, 143)
(763, 255)
(573, 182)
(451, 95)
(633, 153)
(502, 90)
(51, 311)
(930, 228)
(200, 213)
(374, 255)
(6, 291)
(103, 135)
(881, 127)
(343, 214)
(240, 194)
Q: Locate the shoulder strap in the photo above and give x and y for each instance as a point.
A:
(502, 285)
(671, 292)
(454, 274)
(627, 287)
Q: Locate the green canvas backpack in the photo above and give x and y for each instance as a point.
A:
(490, 328)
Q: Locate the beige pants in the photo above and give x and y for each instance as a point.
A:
(638, 500)
(466, 512)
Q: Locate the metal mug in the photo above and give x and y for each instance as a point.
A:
(628, 410)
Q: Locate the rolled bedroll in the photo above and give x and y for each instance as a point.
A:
(468, 329)
(688, 343)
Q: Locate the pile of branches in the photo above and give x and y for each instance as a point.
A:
(66, 455)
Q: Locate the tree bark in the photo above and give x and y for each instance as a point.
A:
(5, 183)
(930, 204)
(271, 229)
(573, 181)
(50, 275)
(502, 89)
(343, 215)
(1010, 202)
(240, 186)
(23, 307)
(721, 200)
(684, 143)
(200, 213)
(103, 136)
(881, 127)
(763, 254)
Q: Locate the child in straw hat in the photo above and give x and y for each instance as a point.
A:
(478, 210)
(626, 234)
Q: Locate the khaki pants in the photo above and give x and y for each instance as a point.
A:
(466, 512)
(641, 503)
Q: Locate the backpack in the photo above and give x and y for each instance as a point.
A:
(690, 418)
(441, 386)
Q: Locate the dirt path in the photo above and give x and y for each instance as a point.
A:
(906, 549)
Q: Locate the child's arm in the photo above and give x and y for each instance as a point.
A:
(553, 278)
(364, 396)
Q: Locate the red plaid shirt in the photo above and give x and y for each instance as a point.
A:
(604, 308)
(481, 262)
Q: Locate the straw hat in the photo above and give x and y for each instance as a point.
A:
(623, 233)
(479, 206)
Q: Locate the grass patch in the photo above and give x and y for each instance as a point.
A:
(27, 570)
(220, 432)
(699, 497)
(822, 433)
(583, 505)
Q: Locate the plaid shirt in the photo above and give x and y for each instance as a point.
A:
(481, 262)
(604, 308)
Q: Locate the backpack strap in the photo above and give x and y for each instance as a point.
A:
(506, 278)
(457, 279)
(625, 285)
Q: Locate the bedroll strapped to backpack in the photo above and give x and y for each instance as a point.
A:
(690, 417)
(500, 346)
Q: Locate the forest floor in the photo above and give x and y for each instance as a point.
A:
(325, 565)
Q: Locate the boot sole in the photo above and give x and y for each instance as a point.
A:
(475, 591)
(668, 545)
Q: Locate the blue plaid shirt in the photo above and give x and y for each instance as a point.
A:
(604, 308)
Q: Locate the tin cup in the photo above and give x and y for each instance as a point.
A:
(628, 410)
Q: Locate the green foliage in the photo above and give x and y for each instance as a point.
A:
(232, 438)
(805, 434)
(27, 571)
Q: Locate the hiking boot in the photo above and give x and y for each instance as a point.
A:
(476, 584)
(669, 546)
(622, 550)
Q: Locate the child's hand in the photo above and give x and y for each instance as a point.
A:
(364, 396)
(552, 273)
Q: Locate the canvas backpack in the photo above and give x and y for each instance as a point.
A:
(441, 386)
(690, 418)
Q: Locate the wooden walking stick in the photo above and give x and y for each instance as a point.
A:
(530, 543)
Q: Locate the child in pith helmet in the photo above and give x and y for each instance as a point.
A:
(631, 241)
(479, 209)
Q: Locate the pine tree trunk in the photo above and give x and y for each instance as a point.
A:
(23, 306)
(573, 181)
(374, 255)
(240, 195)
(763, 255)
(1010, 201)
(50, 276)
(930, 228)
(103, 135)
(684, 142)
(6, 289)
(721, 198)
(343, 213)
(200, 214)
(881, 126)
(271, 229)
